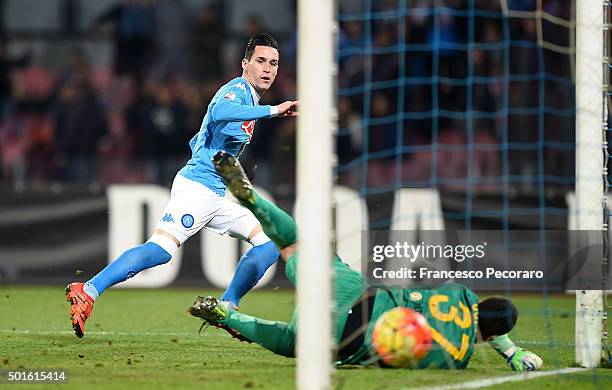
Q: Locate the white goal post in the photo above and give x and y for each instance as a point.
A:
(314, 184)
(589, 166)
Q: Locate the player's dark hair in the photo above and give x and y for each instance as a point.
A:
(259, 39)
(496, 316)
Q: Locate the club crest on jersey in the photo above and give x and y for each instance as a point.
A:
(187, 220)
(230, 96)
(416, 296)
(248, 127)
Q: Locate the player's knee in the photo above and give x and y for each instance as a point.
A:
(288, 251)
(257, 234)
(258, 237)
(167, 243)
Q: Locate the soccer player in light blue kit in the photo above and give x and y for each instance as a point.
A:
(197, 198)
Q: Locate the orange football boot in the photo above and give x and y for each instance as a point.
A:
(81, 306)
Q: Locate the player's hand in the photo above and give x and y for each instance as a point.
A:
(522, 360)
(288, 108)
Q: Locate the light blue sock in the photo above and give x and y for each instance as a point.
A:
(91, 290)
(251, 267)
(129, 264)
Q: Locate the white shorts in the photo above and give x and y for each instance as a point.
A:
(193, 206)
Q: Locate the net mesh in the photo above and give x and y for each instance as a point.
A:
(474, 101)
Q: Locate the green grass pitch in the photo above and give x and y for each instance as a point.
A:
(146, 339)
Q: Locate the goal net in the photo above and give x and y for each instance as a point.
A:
(485, 117)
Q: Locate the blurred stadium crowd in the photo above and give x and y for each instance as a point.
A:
(130, 120)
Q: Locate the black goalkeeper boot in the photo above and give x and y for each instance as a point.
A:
(232, 173)
(213, 310)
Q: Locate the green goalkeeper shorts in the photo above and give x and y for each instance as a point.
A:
(348, 286)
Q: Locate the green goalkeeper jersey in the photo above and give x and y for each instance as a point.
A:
(452, 312)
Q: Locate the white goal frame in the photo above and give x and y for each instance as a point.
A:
(590, 123)
(314, 185)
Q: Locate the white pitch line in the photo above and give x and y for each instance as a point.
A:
(479, 383)
(112, 333)
(99, 333)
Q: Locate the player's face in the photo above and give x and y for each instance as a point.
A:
(261, 69)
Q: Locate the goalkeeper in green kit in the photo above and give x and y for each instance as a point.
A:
(456, 318)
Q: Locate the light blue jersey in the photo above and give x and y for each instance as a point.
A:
(228, 125)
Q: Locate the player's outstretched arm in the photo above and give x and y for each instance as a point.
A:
(232, 111)
(518, 359)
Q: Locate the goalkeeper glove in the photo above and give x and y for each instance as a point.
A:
(522, 360)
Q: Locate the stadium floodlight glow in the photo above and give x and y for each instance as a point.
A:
(589, 167)
(314, 182)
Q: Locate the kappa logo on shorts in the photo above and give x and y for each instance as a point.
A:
(167, 218)
(187, 220)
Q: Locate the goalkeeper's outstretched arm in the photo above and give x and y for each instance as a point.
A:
(496, 318)
(518, 359)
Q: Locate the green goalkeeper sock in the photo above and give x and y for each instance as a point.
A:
(275, 336)
(276, 223)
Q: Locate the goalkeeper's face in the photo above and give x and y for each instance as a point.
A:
(260, 70)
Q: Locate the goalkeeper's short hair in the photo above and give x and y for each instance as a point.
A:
(496, 316)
